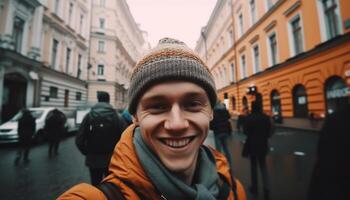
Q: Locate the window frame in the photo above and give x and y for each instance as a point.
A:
(244, 73)
(256, 61)
(291, 35)
(270, 49)
(323, 24)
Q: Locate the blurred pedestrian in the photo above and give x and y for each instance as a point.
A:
(331, 175)
(26, 130)
(161, 156)
(99, 131)
(257, 127)
(241, 119)
(54, 130)
(222, 129)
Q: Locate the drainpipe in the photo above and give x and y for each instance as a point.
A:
(235, 56)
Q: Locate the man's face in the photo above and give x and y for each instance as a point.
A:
(174, 121)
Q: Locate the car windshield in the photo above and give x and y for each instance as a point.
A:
(35, 113)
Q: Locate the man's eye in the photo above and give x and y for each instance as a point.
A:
(193, 105)
(159, 107)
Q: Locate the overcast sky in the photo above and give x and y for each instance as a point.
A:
(180, 19)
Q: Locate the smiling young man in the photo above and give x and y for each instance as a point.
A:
(161, 156)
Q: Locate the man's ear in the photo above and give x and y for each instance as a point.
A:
(211, 115)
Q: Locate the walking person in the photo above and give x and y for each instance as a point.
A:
(241, 119)
(161, 156)
(257, 127)
(54, 128)
(331, 174)
(26, 130)
(222, 130)
(99, 131)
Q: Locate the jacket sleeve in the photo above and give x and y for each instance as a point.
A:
(81, 137)
(82, 191)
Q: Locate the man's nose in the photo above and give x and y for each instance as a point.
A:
(176, 120)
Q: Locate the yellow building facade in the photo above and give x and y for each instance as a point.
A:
(292, 56)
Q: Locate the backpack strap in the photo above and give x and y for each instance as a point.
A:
(111, 191)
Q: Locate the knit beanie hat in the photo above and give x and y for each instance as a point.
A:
(171, 59)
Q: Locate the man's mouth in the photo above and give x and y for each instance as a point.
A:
(177, 143)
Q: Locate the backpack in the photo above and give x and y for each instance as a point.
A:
(103, 134)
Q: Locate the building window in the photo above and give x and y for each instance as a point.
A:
(53, 92)
(233, 102)
(18, 28)
(331, 18)
(240, 23)
(252, 11)
(243, 67)
(245, 102)
(70, 12)
(66, 98)
(102, 23)
(57, 6)
(233, 74)
(81, 24)
(79, 66)
(78, 96)
(256, 56)
(100, 70)
(68, 59)
(224, 78)
(276, 107)
(336, 94)
(54, 53)
(300, 102)
(297, 36)
(273, 49)
(269, 4)
(230, 37)
(101, 46)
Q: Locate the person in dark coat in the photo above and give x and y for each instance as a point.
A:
(96, 152)
(26, 130)
(241, 119)
(222, 129)
(54, 128)
(257, 127)
(331, 175)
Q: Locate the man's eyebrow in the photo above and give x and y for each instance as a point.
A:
(195, 94)
(153, 97)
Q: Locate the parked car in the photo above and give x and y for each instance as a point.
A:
(8, 130)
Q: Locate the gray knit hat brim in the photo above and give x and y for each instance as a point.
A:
(169, 69)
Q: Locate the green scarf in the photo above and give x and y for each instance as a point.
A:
(205, 182)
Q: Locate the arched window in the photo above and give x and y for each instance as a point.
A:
(233, 103)
(276, 108)
(336, 94)
(300, 102)
(245, 102)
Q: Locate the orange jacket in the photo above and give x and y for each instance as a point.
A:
(125, 168)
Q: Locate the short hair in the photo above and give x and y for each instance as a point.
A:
(102, 96)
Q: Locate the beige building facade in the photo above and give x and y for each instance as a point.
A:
(43, 54)
(116, 44)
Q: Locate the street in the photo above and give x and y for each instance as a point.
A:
(290, 164)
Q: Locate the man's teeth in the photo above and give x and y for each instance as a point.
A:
(177, 143)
